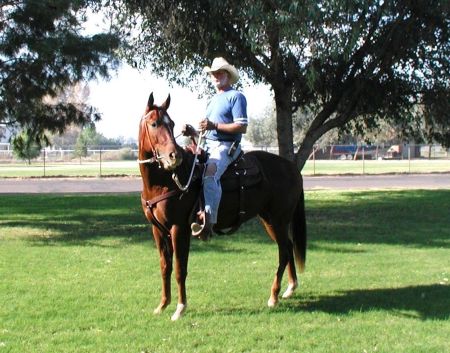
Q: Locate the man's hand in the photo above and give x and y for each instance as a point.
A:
(206, 124)
(188, 130)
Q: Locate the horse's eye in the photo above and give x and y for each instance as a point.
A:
(154, 124)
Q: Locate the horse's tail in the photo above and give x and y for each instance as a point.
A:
(298, 225)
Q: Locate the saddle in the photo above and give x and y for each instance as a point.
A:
(244, 172)
(241, 175)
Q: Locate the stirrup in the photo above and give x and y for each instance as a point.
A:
(202, 232)
(196, 229)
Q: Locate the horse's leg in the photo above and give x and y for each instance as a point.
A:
(165, 261)
(279, 233)
(292, 273)
(181, 241)
(292, 276)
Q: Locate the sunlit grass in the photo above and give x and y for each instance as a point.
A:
(80, 273)
(329, 167)
(320, 167)
(88, 169)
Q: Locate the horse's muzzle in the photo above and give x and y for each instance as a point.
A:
(171, 160)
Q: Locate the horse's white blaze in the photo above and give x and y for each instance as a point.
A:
(181, 308)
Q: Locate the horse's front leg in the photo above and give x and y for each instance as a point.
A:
(165, 249)
(181, 242)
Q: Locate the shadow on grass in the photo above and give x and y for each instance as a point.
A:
(424, 302)
(83, 220)
(406, 218)
(417, 218)
(74, 219)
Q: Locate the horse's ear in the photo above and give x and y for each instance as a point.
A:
(166, 104)
(150, 101)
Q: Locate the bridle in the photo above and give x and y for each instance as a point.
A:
(156, 158)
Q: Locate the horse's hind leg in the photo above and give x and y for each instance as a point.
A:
(279, 233)
(292, 273)
(292, 278)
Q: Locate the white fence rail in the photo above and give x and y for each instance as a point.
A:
(103, 161)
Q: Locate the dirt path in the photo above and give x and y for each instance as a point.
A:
(134, 184)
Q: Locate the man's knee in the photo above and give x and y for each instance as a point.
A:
(211, 169)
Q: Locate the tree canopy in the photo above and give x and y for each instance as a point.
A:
(344, 61)
(42, 51)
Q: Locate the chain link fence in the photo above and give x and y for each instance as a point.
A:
(375, 159)
(334, 159)
(97, 161)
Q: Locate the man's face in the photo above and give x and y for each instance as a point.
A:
(220, 79)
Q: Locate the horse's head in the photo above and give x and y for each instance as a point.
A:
(156, 137)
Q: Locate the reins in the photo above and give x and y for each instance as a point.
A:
(175, 177)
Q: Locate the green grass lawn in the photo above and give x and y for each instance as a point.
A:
(322, 167)
(86, 169)
(326, 167)
(80, 273)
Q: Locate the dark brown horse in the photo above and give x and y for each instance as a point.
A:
(278, 200)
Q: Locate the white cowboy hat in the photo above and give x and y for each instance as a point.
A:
(222, 64)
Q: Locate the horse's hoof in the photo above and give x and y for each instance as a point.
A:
(272, 303)
(160, 308)
(181, 308)
(289, 291)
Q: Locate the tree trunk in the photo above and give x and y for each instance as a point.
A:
(285, 134)
(305, 150)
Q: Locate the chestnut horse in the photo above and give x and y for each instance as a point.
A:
(278, 200)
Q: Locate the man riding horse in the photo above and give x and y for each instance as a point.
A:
(225, 122)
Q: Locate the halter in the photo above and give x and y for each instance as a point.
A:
(150, 160)
(156, 157)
